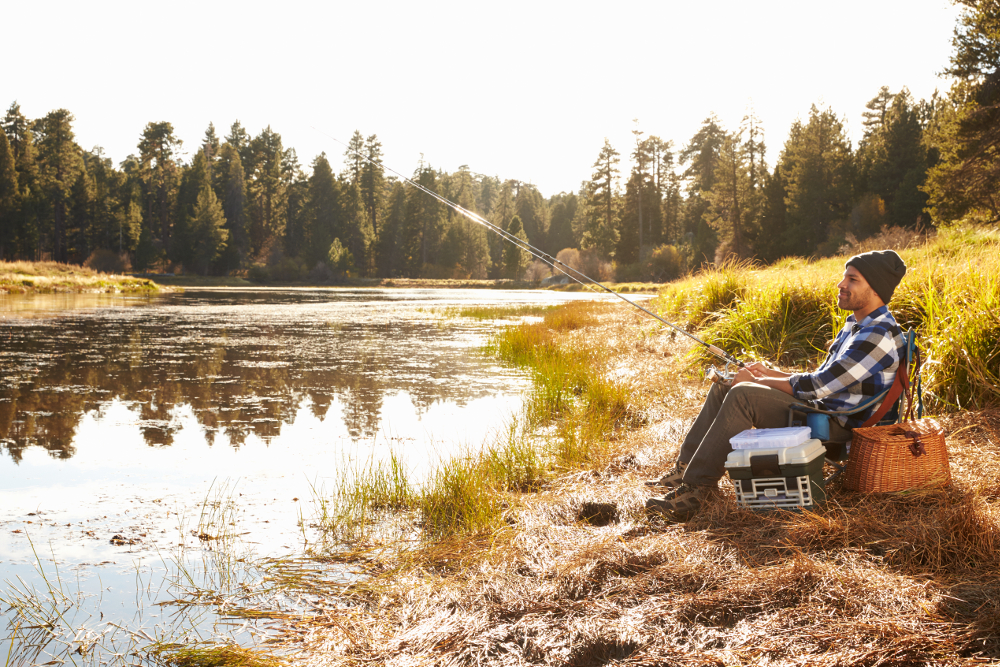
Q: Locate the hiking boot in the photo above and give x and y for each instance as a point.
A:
(683, 502)
(671, 480)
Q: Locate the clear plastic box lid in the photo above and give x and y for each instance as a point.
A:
(801, 454)
(769, 438)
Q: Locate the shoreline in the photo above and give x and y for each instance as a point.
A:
(57, 278)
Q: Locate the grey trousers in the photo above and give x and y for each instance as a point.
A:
(728, 411)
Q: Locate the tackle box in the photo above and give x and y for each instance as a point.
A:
(778, 477)
(767, 438)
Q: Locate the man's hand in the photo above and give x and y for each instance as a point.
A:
(761, 374)
(751, 373)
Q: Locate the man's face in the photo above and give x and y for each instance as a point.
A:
(854, 291)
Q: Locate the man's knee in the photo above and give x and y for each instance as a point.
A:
(747, 391)
(764, 406)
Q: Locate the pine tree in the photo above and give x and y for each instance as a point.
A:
(472, 252)
(372, 182)
(356, 232)
(159, 173)
(892, 158)
(60, 166)
(500, 214)
(730, 200)
(773, 241)
(229, 181)
(563, 208)
(515, 260)
(8, 196)
(354, 158)
(83, 216)
(389, 243)
(701, 157)
(26, 220)
(193, 179)
(239, 139)
(672, 212)
(422, 226)
(339, 259)
(296, 199)
(662, 172)
(641, 213)
(818, 164)
(322, 211)
(530, 207)
(489, 188)
(967, 132)
(106, 183)
(603, 203)
(266, 192)
(210, 144)
(208, 230)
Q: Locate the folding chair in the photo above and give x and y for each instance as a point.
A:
(837, 453)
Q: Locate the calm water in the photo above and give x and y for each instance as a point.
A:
(119, 416)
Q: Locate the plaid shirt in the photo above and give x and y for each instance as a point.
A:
(862, 363)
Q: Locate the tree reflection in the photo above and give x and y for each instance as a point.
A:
(238, 377)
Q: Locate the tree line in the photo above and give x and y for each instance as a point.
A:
(244, 204)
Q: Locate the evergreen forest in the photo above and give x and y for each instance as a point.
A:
(245, 205)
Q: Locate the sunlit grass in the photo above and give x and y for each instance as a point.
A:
(495, 312)
(215, 655)
(46, 277)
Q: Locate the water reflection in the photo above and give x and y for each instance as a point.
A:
(243, 362)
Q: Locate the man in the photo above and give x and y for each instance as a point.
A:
(861, 363)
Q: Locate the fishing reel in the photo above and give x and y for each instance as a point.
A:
(723, 376)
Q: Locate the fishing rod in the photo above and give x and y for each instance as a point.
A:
(574, 274)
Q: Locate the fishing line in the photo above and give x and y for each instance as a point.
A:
(542, 256)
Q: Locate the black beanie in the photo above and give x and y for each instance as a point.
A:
(883, 269)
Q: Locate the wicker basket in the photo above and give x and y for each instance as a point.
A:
(909, 455)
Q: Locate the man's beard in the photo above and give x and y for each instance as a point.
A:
(855, 300)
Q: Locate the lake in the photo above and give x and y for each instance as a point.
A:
(121, 416)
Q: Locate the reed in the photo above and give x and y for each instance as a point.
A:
(362, 498)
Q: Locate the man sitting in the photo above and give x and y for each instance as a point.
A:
(861, 363)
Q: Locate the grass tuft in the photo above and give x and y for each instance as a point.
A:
(225, 655)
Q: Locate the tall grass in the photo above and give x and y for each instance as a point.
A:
(462, 495)
(569, 382)
(362, 498)
(787, 312)
(468, 494)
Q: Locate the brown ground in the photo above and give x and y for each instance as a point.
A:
(898, 579)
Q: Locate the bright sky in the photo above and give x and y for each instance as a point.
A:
(520, 89)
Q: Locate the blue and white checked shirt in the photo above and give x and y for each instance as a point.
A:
(861, 363)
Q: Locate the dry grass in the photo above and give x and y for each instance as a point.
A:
(580, 576)
(49, 277)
